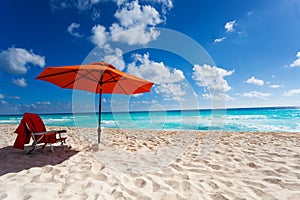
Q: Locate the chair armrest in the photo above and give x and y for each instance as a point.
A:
(51, 136)
(60, 131)
(45, 133)
(50, 132)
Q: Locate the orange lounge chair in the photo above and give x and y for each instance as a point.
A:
(32, 126)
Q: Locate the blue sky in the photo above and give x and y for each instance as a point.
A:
(199, 54)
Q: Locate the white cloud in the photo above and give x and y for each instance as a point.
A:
(296, 63)
(115, 58)
(135, 15)
(17, 60)
(1, 96)
(137, 95)
(153, 71)
(217, 97)
(136, 24)
(171, 91)
(21, 82)
(211, 77)
(292, 92)
(165, 3)
(120, 2)
(73, 30)
(99, 36)
(256, 94)
(168, 82)
(275, 86)
(229, 26)
(255, 81)
(134, 35)
(217, 40)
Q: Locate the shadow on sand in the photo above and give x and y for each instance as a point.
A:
(13, 160)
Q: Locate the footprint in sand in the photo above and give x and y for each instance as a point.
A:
(140, 182)
(173, 184)
(101, 177)
(117, 194)
(253, 165)
(186, 185)
(155, 186)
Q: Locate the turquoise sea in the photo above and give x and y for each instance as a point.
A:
(241, 119)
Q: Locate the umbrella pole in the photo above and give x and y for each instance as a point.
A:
(99, 118)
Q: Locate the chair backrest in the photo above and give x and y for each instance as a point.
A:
(34, 122)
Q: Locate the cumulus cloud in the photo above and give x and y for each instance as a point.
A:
(115, 58)
(21, 82)
(256, 94)
(168, 81)
(255, 81)
(211, 77)
(153, 71)
(99, 36)
(134, 35)
(165, 3)
(18, 60)
(136, 24)
(229, 26)
(171, 91)
(133, 15)
(296, 63)
(292, 92)
(73, 30)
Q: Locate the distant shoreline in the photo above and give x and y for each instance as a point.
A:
(140, 111)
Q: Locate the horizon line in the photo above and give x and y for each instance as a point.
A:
(174, 110)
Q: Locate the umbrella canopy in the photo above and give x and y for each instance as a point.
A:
(99, 78)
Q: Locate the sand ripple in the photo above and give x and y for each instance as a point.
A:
(157, 165)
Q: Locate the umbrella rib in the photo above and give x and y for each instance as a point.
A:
(82, 76)
(56, 74)
(112, 77)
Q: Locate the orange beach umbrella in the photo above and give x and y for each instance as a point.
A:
(98, 77)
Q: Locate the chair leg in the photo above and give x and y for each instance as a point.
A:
(52, 148)
(44, 146)
(31, 150)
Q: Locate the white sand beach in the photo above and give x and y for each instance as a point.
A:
(132, 164)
